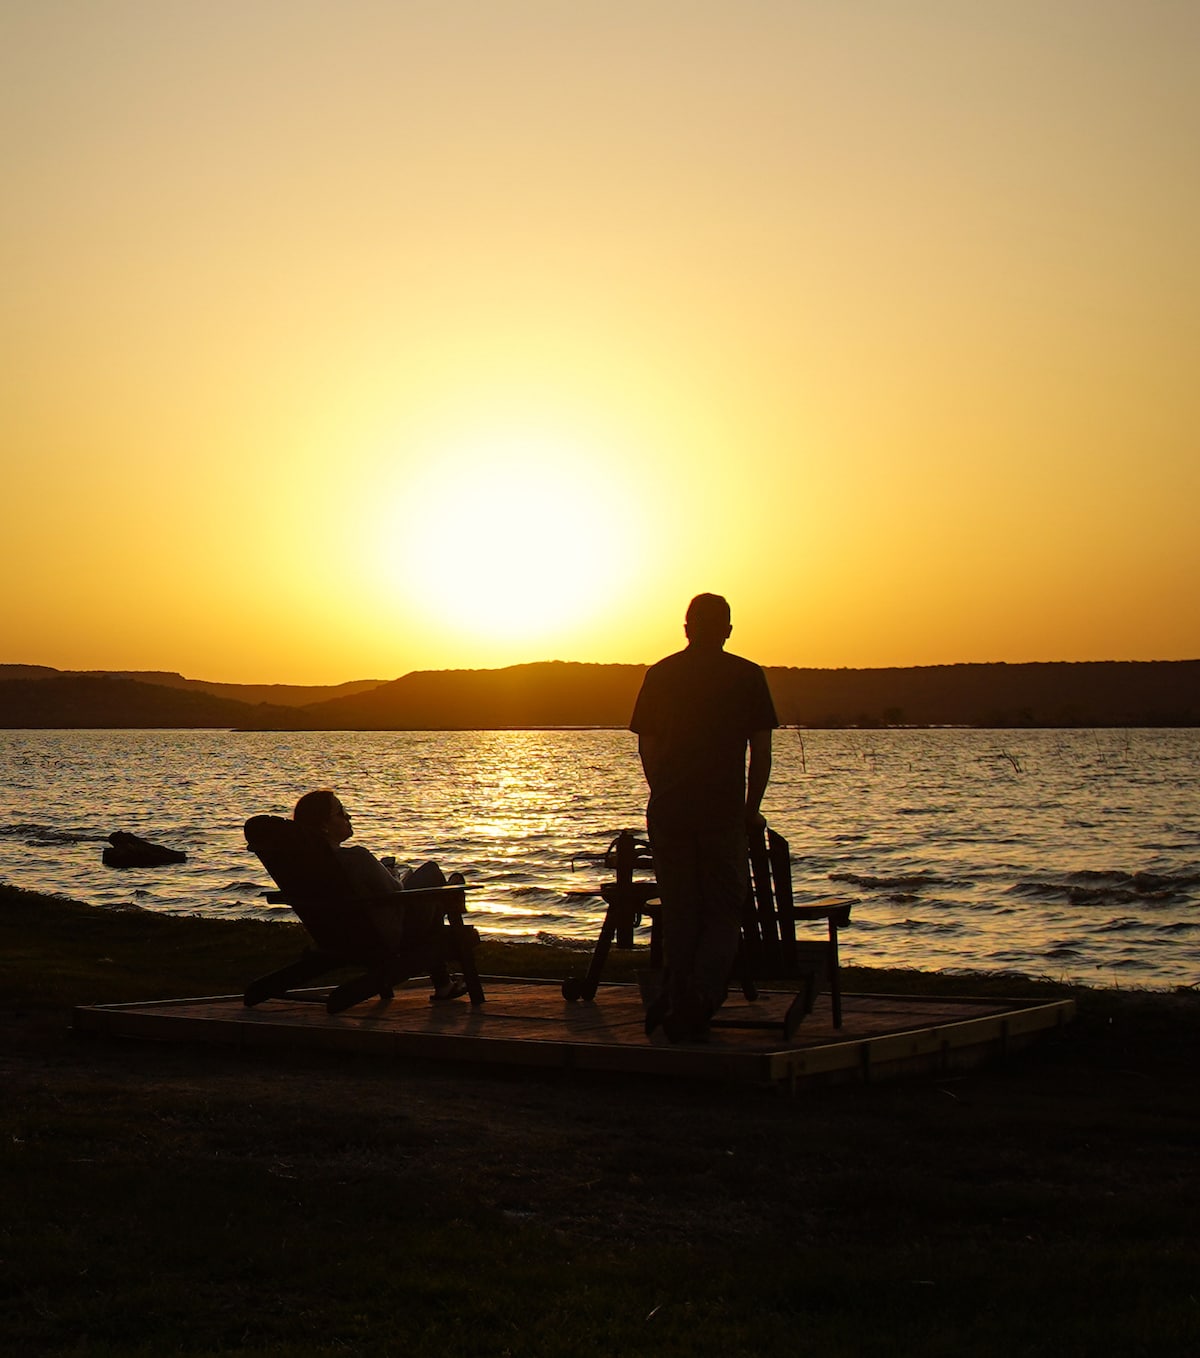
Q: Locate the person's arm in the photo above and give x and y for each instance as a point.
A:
(649, 752)
(366, 872)
(757, 777)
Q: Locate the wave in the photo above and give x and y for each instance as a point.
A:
(912, 881)
(1124, 924)
(45, 836)
(1143, 881)
(561, 941)
(541, 893)
(929, 926)
(1110, 888)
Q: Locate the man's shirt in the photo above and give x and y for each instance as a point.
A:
(698, 709)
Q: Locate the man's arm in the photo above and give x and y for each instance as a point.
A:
(757, 777)
(649, 752)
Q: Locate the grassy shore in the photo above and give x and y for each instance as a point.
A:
(164, 1199)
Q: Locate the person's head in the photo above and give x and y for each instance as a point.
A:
(323, 813)
(707, 622)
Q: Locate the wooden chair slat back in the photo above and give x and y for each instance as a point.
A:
(305, 868)
(785, 903)
(769, 920)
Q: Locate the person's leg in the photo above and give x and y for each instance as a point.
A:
(676, 868)
(422, 919)
(723, 879)
(428, 874)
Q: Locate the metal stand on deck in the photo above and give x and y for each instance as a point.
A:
(628, 900)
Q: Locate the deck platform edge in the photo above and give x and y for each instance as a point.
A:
(921, 1047)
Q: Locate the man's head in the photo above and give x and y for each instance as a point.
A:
(707, 621)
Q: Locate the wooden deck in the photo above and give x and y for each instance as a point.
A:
(528, 1023)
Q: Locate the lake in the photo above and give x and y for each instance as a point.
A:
(1068, 854)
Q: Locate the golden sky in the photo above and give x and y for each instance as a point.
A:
(343, 338)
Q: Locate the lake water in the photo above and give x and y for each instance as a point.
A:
(1069, 854)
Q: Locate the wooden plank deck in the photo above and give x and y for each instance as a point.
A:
(529, 1023)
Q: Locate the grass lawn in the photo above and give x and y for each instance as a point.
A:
(163, 1199)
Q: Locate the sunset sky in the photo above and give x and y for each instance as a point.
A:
(342, 338)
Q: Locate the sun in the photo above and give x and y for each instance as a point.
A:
(512, 536)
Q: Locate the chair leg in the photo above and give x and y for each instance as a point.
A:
(353, 992)
(744, 971)
(802, 1005)
(464, 938)
(278, 983)
(835, 980)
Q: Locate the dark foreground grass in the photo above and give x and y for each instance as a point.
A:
(161, 1199)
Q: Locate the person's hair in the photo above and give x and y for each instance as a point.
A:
(708, 615)
(314, 808)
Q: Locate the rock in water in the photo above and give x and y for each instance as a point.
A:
(128, 851)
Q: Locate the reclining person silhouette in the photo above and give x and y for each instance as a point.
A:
(323, 813)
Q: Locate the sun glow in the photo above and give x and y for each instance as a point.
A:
(512, 536)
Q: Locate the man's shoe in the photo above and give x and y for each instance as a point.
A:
(689, 1020)
(656, 1013)
(453, 989)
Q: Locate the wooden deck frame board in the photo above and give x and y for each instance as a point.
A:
(944, 1046)
(526, 1023)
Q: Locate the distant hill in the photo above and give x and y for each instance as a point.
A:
(561, 693)
(277, 695)
(1092, 693)
(558, 693)
(548, 693)
(82, 701)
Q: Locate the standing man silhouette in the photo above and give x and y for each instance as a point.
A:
(696, 715)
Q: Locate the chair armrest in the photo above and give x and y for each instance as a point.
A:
(836, 909)
(426, 893)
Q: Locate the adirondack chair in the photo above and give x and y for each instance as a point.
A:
(349, 930)
(770, 950)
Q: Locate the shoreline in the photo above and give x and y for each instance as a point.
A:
(25, 911)
(151, 948)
